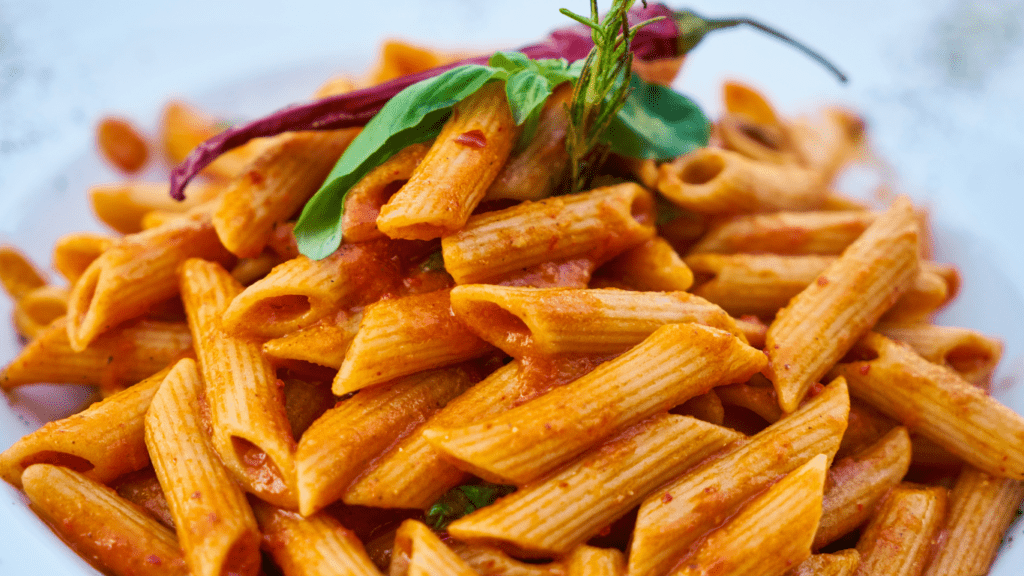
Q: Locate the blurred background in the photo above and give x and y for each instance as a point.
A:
(940, 83)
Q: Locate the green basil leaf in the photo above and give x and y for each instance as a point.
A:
(527, 91)
(462, 500)
(657, 123)
(414, 115)
(509, 61)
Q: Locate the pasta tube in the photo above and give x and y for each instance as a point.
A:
(716, 181)
(140, 270)
(674, 364)
(300, 291)
(274, 185)
(651, 266)
(215, 525)
(536, 171)
(935, 402)
(116, 359)
(72, 253)
(101, 525)
(842, 563)
(337, 448)
(824, 321)
(674, 517)
(419, 552)
(102, 442)
(588, 494)
(524, 321)
(590, 561)
(123, 206)
(981, 508)
(898, 540)
(858, 483)
(420, 329)
(973, 355)
(786, 233)
(770, 533)
(490, 561)
(38, 308)
(364, 200)
(751, 126)
(414, 474)
(250, 429)
(315, 546)
(17, 274)
(454, 175)
(598, 224)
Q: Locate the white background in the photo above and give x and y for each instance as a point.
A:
(941, 84)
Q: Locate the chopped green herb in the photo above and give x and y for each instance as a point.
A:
(462, 500)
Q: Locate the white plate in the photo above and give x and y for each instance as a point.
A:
(953, 131)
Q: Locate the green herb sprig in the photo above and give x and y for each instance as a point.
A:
(602, 89)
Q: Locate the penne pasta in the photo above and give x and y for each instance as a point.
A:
(139, 271)
(123, 206)
(674, 364)
(102, 442)
(38, 308)
(102, 526)
(414, 474)
(215, 526)
(716, 181)
(972, 354)
(274, 185)
(842, 563)
(590, 561)
(339, 446)
(250, 429)
(454, 175)
(677, 515)
(981, 508)
(183, 127)
(822, 322)
(760, 400)
(769, 534)
(761, 284)
(597, 225)
(17, 274)
(490, 561)
(935, 402)
(828, 139)
(114, 360)
(364, 200)
(523, 321)
(300, 291)
(858, 483)
(314, 546)
(786, 233)
(536, 171)
(419, 552)
(652, 266)
(591, 492)
(420, 329)
(73, 253)
(898, 540)
(323, 343)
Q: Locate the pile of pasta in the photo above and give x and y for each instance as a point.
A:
(715, 365)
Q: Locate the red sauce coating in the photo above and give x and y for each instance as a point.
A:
(473, 139)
